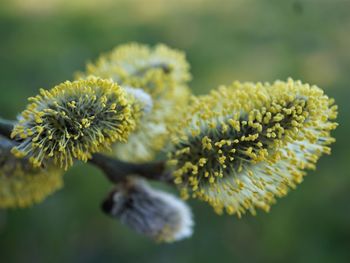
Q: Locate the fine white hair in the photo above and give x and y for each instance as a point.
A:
(142, 97)
(154, 213)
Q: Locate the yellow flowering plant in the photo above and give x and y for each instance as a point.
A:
(241, 146)
(131, 113)
(73, 120)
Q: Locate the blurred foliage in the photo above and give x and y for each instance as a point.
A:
(44, 42)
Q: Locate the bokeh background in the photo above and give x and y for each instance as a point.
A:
(42, 42)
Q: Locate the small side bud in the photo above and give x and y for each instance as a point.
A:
(156, 214)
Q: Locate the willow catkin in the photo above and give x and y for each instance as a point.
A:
(241, 146)
(21, 184)
(72, 121)
(153, 213)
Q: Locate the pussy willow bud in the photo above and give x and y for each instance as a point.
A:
(21, 184)
(162, 73)
(156, 214)
(72, 121)
(241, 146)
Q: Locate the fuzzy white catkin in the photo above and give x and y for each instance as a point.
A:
(154, 213)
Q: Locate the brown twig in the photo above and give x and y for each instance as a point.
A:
(117, 170)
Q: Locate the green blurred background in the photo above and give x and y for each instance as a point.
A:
(42, 42)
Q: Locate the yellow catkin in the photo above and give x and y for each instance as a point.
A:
(159, 71)
(22, 185)
(72, 121)
(256, 140)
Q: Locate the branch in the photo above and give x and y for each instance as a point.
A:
(115, 170)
